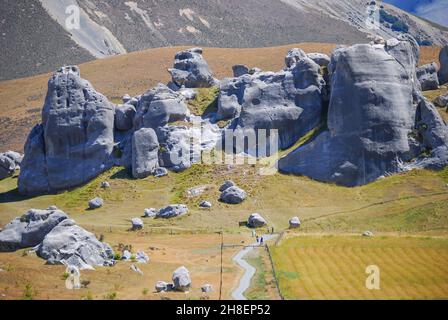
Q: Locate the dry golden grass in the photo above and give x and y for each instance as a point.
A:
(334, 267)
(21, 100)
(199, 253)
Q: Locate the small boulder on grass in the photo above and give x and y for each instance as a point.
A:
(96, 203)
(207, 288)
(141, 257)
(105, 185)
(226, 185)
(137, 224)
(367, 234)
(160, 172)
(161, 286)
(205, 205)
(233, 195)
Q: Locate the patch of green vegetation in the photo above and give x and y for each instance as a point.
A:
(88, 296)
(257, 290)
(291, 275)
(110, 296)
(29, 292)
(205, 102)
(444, 174)
(194, 176)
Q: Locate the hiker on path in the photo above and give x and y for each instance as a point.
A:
(261, 241)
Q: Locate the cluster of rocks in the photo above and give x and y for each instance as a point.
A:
(231, 194)
(139, 257)
(367, 96)
(181, 281)
(9, 163)
(171, 211)
(82, 134)
(55, 238)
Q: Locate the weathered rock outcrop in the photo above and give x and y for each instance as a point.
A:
(30, 229)
(443, 71)
(442, 100)
(240, 70)
(256, 221)
(291, 101)
(191, 70)
(321, 59)
(373, 119)
(75, 141)
(71, 245)
(145, 153)
(233, 195)
(427, 76)
(171, 211)
(160, 106)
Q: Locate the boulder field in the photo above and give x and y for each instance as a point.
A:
(367, 98)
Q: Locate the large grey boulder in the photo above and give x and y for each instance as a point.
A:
(160, 106)
(427, 76)
(172, 211)
(256, 221)
(75, 141)
(145, 153)
(372, 120)
(226, 185)
(191, 70)
(233, 195)
(96, 203)
(181, 279)
(30, 229)
(290, 101)
(443, 72)
(124, 117)
(293, 56)
(70, 244)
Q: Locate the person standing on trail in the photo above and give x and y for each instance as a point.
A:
(261, 241)
(253, 234)
(257, 238)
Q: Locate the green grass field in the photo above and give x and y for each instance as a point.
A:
(334, 267)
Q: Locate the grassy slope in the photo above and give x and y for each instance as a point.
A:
(334, 267)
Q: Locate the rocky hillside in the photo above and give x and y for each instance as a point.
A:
(114, 27)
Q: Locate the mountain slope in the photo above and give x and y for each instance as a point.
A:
(111, 27)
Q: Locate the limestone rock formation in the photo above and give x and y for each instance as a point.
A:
(377, 121)
(70, 244)
(427, 76)
(160, 172)
(205, 204)
(145, 153)
(181, 279)
(160, 106)
(256, 221)
(75, 140)
(171, 211)
(443, 72)
(290, 101)
(293, 56)
(96, 203)
(161, 286)
(191, 70)
(150, 213)
(226, 185)
(30, 229)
